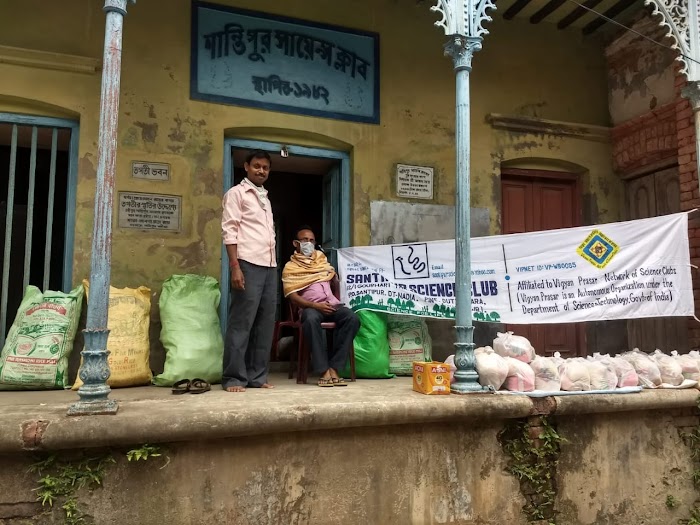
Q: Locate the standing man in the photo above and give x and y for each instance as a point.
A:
(249, 236)
(307, 280)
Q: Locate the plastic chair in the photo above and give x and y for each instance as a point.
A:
(303, 353)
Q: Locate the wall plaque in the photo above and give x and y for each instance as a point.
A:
(150, 170)
(414, 182)
(248, 58)
(150, 211)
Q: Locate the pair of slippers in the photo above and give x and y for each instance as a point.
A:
(331, 382)
(191, 386)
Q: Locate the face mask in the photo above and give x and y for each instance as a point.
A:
(307, 248)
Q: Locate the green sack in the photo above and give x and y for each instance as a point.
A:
(371, 347)
(191, 333)
(35, 355)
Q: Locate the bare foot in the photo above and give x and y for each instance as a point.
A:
(267, 385)
(235, 389)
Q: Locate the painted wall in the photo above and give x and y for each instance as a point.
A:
(640, 74)
(612, 468)
(524, 70)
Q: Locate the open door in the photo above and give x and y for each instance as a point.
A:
(330, 236)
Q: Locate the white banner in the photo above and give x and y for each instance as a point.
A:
(621, 270)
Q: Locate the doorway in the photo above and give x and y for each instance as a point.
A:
(535, 200)
(308, 187)
(651, 195)
(38, 172)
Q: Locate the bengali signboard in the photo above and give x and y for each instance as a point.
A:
(150, 170)
(623, 270)
(255, 59)
(414, 182)
(150, 211)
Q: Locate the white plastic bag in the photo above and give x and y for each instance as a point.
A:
(626, 374)
(521, 377)
(689, 366)
(670, 368)
(515, 346)
(602, 374)
(645, 366)
(557, 359)
(451, 362)
(546, 374)
(574, 375)
(492, 368)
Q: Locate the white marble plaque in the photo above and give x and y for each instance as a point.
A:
(414, 182)
(150, 170)
(150, 211)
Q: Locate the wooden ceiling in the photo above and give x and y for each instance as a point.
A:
(567, 14)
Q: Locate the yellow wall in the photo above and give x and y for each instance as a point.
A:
(523, 70)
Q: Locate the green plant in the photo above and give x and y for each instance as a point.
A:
(60, 480)
(144, 452)
(534, 462)
(694, 517)
(671, 501)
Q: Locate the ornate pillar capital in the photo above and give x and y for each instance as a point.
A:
(462, 49)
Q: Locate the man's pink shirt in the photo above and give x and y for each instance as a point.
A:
(319, 293)
(245, 223)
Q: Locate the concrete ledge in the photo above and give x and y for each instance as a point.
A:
(152, 415)
(644, 400)
(49, 60)
(522, 124)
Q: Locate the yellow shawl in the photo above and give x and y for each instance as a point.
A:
(301, 272)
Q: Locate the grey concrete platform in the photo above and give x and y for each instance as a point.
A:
(37, 420)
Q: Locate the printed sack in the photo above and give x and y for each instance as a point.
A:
(36, 351)
(409, 341)
(129, 319)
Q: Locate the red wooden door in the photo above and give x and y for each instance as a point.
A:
(533, 201)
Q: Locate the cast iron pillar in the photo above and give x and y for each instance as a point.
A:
(462, 22)
(680, 18)
(94, 394)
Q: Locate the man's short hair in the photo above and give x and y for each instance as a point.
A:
(258, 154)
(301, 229)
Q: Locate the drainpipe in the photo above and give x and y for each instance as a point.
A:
(461, 21)
(94, 393)
(692, 92)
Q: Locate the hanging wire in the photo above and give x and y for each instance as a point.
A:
(612, 21)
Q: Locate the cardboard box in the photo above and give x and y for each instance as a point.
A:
(431, 378)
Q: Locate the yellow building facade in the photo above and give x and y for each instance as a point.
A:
(539, 101)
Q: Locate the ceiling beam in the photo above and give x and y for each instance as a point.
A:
(577, 13)
(547, 10)
(513, 10)
(610, 13)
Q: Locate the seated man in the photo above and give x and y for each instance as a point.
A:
(306, 280)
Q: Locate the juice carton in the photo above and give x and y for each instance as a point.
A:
(432, 378)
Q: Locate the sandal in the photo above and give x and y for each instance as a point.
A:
(199, 386)
(182, 387)
(325, 382)
(339, 381)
